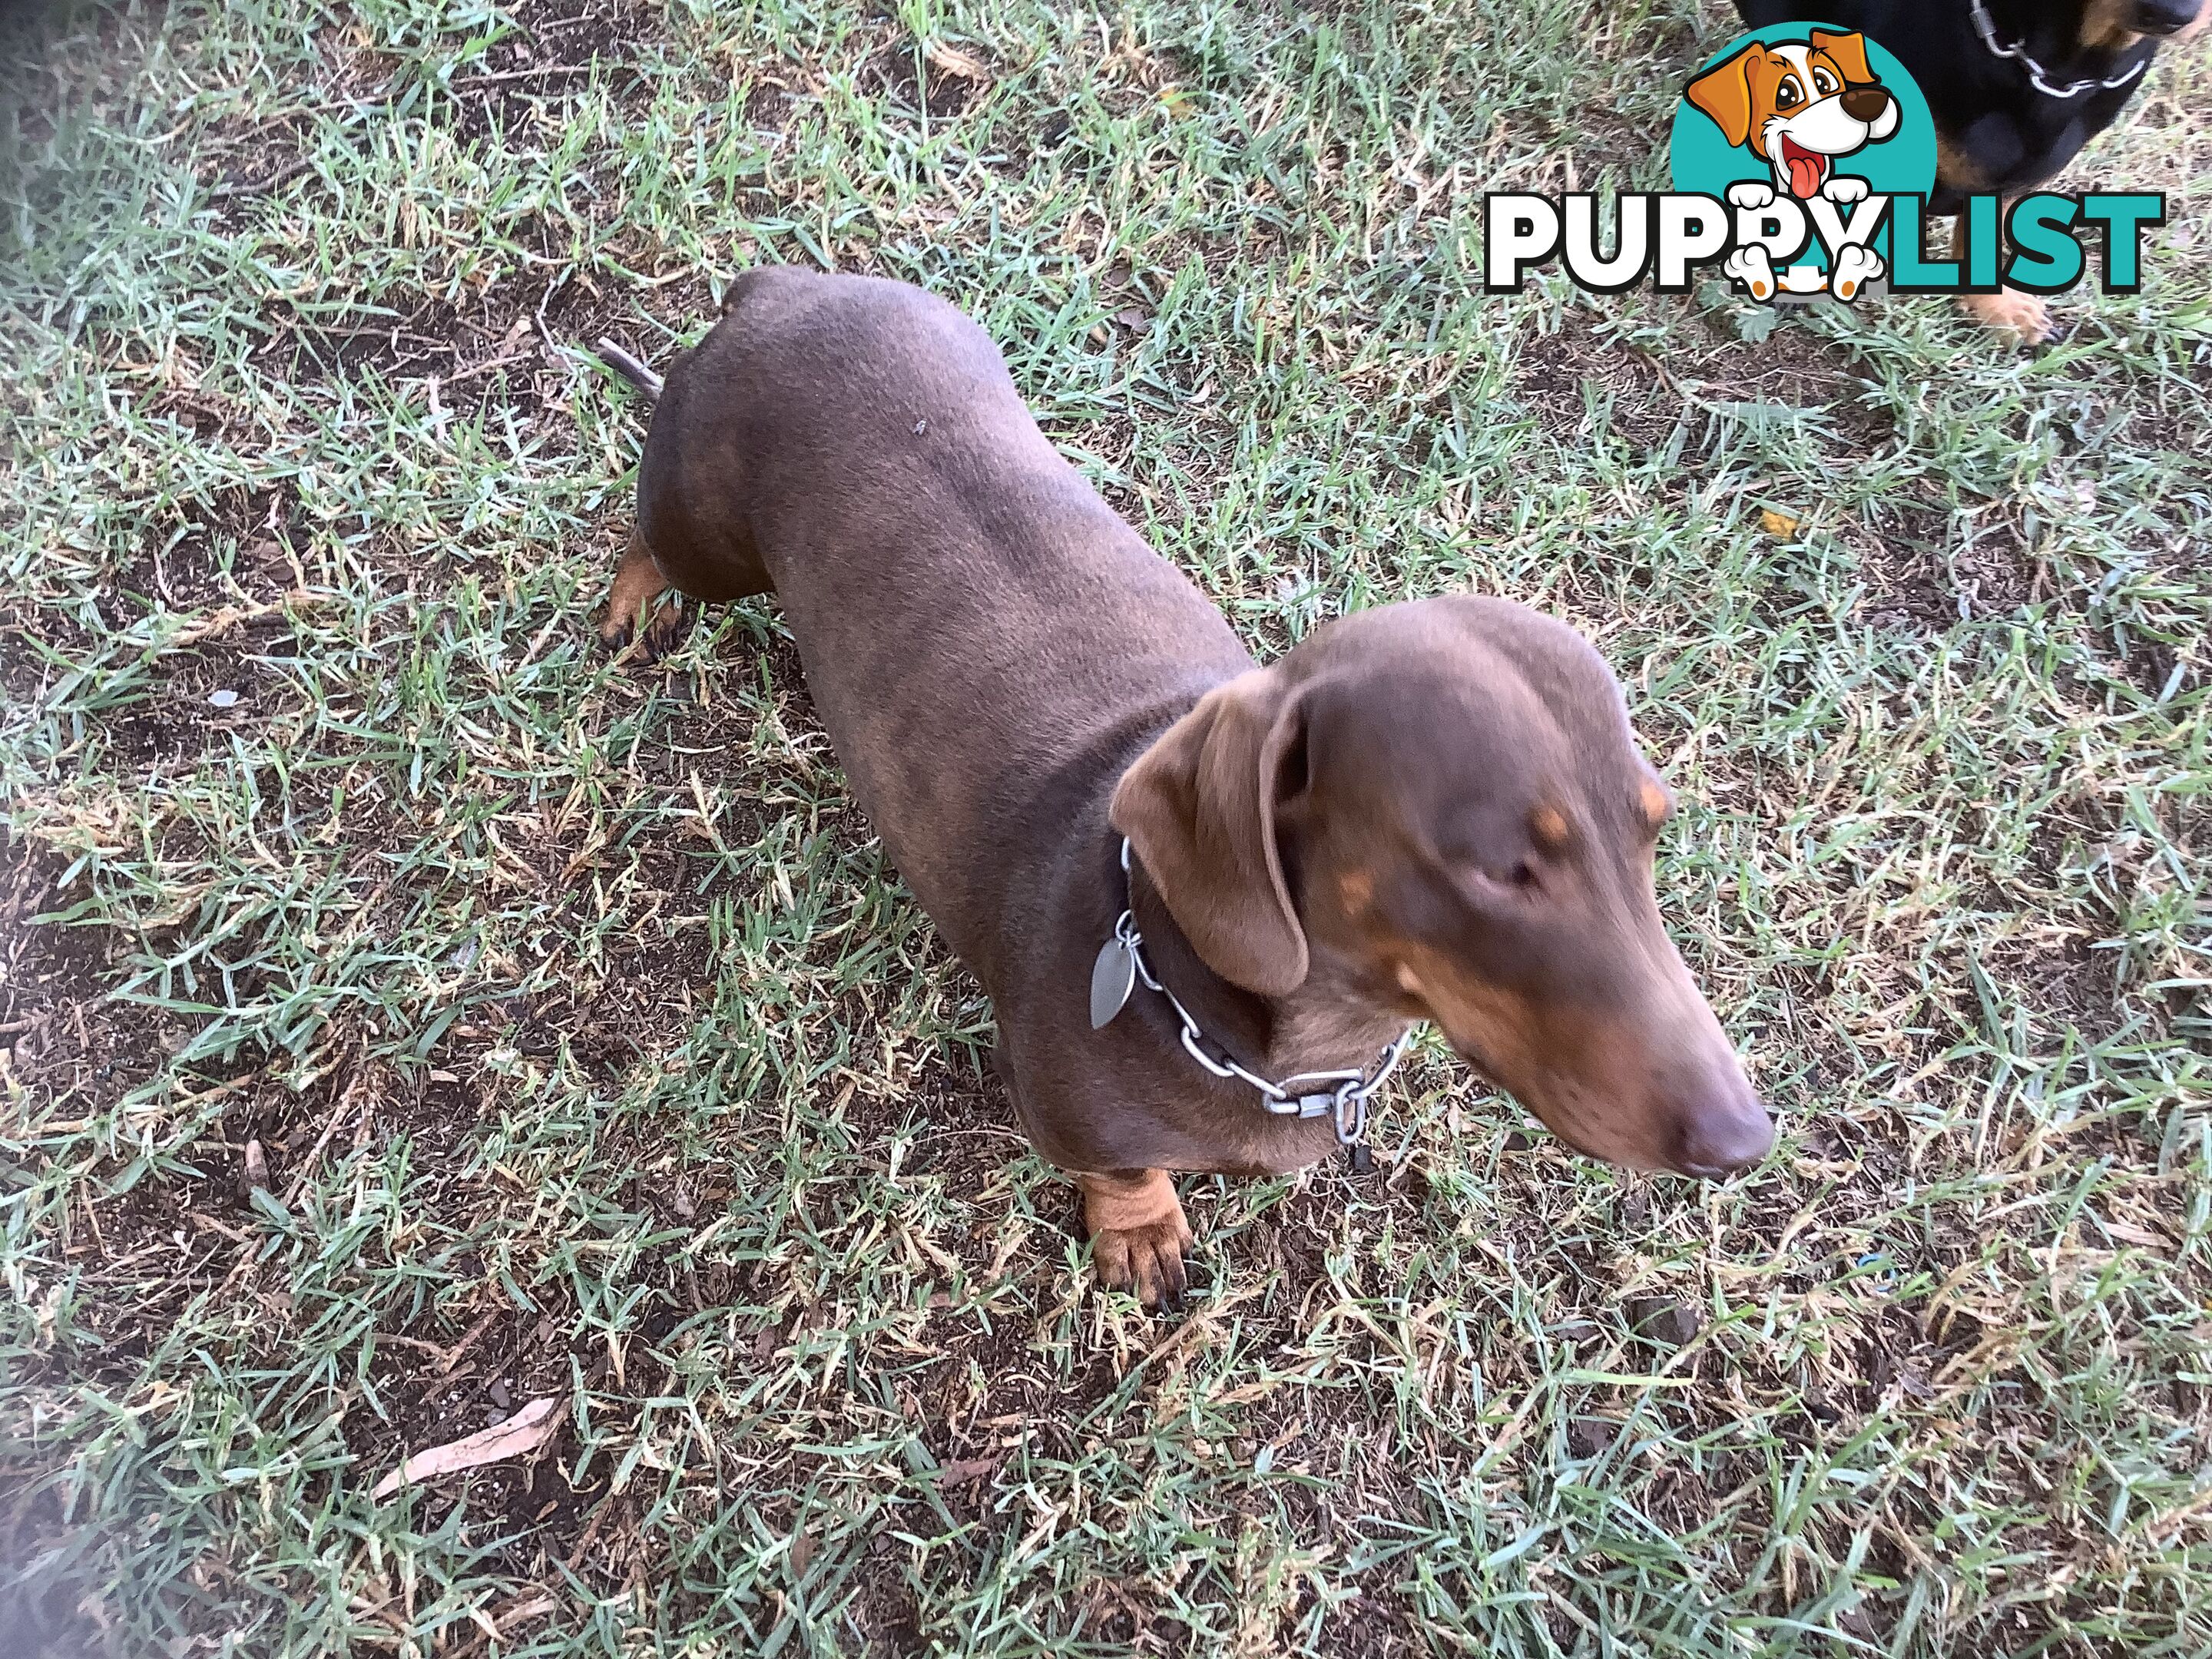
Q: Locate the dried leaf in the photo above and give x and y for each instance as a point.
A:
(1663, 1319)
(526, 1431)
(962, 1471)
(2127, 1233)
(1781, 525)
(953, 61)
(520, 1611)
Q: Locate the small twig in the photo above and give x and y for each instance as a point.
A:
(630, 368)
(208, 1224)
(504, 75)
(213, 628)
(283, 175)
(354, 1086)
(591, 1532)
(474, 1334)
(484, 367)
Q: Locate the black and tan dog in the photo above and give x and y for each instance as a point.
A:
(1429, 811)
(2016, 86)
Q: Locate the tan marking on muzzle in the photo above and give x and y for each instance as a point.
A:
(2104, 24)
(1577, 1069)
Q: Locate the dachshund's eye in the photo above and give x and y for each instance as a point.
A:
(1520, 878)
(1787, 95)
(1824, 84)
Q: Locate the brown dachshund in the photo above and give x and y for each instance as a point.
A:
(1431, 811)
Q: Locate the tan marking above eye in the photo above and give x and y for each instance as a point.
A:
(1357, 889)
(1655, 803)
(1549, 826)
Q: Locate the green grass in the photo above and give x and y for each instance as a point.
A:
(596, 1051)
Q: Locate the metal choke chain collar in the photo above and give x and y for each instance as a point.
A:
(1121, 963)
(2036, 78)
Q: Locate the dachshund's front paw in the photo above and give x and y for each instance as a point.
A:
(2009, 308)
(1138, 1235)
(659, 634)
(1147, 1261)
(640, 609)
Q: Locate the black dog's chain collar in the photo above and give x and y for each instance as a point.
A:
(1122, 963)
(1988, 31)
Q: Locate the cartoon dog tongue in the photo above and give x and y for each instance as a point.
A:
(1807, 167)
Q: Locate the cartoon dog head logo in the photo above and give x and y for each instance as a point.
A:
(1798, 106)
(1807, 133)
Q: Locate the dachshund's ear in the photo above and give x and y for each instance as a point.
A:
(1199, 806)
(1850, 52)
(1723, 92)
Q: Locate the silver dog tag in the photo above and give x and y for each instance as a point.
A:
(1113, 976)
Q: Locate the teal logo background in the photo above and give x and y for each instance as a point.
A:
(1701, 159)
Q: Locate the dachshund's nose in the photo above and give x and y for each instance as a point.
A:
(1718, 1144)
(1865, 102)
(2165, 16)
(1721, 1126)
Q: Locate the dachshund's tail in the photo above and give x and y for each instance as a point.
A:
(647, 382)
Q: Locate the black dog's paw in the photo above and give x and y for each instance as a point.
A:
(2012, 312)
